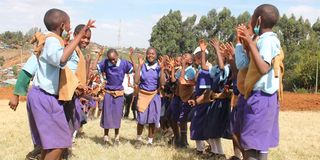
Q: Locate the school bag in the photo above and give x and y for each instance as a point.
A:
(68, 81)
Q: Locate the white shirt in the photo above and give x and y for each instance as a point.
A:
(127, 90)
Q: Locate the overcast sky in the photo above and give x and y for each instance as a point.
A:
(137, 16)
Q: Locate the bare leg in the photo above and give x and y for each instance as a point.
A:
(54, 154)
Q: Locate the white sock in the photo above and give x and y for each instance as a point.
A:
(117, 137)
(200, 145)
(213, 146)
(218, 145)
(237, 152)
(106, 138)
(139, 138)
(150, 140)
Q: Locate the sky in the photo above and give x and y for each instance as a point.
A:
(134, 18)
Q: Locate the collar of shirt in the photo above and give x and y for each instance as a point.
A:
(154, 66)
(117, 64)
(266, 34)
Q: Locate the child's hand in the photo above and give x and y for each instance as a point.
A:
(244, 34)
(90, 24)
(162, 61)
(83, 101)
(192, 102)
(230, 51)
(203, 45)
(100, 52)
(14, 102)
(140, 59)
(171, 63)
(131, 52)
(215, 43)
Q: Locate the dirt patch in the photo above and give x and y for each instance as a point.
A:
(7, 92)
(300, 102)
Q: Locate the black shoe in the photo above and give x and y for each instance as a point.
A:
(34, 154)
(234, 158)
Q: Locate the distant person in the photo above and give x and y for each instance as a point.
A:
(128, 83)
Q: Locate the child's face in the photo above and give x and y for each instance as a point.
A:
(85, 40)
(177, 61)
(66, 25)
(151, 55)
(197, 60)
(113, 58)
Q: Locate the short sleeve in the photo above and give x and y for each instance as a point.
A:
(31, 65)
(128, 67)
(220, 74)
(268, 49)
(101, 66)
(177, 74)
(190, 74)
(241, 58)
(53, 51)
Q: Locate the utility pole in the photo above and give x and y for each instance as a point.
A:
(317, 71)
(119, 34)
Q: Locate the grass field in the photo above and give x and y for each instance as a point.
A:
(299, 139)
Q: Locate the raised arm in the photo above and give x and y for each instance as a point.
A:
(137, 74)
(96, 61)
(263, 66)
(68, 50)
(216, 45)
(231, 58)
(161, 62)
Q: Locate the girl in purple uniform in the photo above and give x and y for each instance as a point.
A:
(115, 70)
(149, 77)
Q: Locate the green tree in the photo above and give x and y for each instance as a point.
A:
(166, 34)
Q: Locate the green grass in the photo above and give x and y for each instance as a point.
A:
(299, 139)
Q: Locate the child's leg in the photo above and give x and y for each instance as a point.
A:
(183, 131)
(255, 155)
(54, 154)
(106, 135)
(151, 133)
(116, 133)
(200, 146)
(218, 145)
(139, 131)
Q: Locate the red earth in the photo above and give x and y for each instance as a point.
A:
(291, 101)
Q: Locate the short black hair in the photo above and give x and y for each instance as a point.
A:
(199, 54)
(79, 28)
(150, 48)
(54, 18)
(112, 50)
(269, 15)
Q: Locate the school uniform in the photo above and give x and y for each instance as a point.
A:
(150, 82)
(198, 122)
(49, 127)
(260, 127)
(219, 111)
(113, 104)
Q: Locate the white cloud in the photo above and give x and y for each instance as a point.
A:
(305, 11)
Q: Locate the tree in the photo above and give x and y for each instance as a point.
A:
(188, 40)
(166, 34)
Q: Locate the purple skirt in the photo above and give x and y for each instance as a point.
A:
(237, 114)
(260, 128)
(175, 108)
(111, 112)
(79, 117)
(217, 119)
(48, 123)
(198, 122)
(152, 114)
(185, 109)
